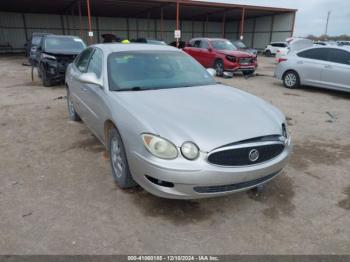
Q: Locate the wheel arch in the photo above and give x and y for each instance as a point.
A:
(291, 70)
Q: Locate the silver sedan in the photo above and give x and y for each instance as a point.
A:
(325, 67)
(169, 127)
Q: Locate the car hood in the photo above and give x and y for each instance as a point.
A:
(235, 53)
(210, 116)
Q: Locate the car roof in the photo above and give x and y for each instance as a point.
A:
(208, 38)
(326, 46)
(118, 47)
(62, 36)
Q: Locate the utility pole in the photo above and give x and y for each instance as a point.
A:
(328, 15)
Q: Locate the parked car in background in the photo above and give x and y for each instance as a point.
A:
(32, 45)
(182, 44)
(272, 48)
(323, 66)
(242, 47)
(294, 44)
(163, 119)
(325, 43)
(148, 41)
(343, 43)
(54, 54)
(221, 55)
(283, 51)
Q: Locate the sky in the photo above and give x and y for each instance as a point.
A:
(311, 15)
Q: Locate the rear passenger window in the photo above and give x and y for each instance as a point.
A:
(204, 44)
(315, 53)
(339, 56)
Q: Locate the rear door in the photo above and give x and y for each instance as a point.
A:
(207, 54)
(95, 95)
(336, 74)
(195, 51)
(310, 63)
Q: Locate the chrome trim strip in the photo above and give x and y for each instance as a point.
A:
(256, 144)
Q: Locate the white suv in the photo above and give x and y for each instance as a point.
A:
(272, 48)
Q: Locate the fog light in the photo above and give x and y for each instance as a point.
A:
(190, 150)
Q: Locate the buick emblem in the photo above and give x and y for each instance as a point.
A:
(253, 155)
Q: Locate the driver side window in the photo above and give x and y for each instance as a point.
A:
(83, 60)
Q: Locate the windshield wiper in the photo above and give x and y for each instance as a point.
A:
(136, 88)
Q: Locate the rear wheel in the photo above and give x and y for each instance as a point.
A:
(268, 53)
(119, 162)
(219, 67)
(291, 79)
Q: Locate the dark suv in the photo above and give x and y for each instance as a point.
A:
(54, 54)
(32, 45)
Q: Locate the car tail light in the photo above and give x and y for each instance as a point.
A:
(281, 59)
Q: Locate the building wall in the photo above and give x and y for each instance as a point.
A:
(15, 28)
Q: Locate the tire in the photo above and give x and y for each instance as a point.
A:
(268, 53)
(219, 67)
(46, 81)
(291, 79)
(248, 73)
(73, 115)
(119, 163)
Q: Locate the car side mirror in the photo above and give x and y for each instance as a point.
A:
(210, 49)
(211, 71)
(90, 78)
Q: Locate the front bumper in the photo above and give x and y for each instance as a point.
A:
(233, 67)
(200, 179)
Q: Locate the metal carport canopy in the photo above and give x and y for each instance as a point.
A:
(190, 10)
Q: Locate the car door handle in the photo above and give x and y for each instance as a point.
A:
(300, 62)
(83, 89)
(328, 66)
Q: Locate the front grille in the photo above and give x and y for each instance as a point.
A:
(245, 60)
(243, 156)
(233, 187)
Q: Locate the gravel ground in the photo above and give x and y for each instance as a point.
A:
(57, 195)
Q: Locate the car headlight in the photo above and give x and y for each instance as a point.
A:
(43, 55)
(159, 147)
(190, 150)
(231, 58)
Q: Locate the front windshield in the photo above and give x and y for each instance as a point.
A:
(64, 45)
(142, 70)
(36, 40)
(239, 44)
(223, 45)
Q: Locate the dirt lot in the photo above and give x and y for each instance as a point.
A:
(57, 195)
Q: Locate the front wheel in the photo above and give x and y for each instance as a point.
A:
(46, 81)
(73, 115)
(219, 67)
(291, 79)
(119, 162)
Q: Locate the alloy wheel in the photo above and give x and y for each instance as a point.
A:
(117, 159)
(290, 79)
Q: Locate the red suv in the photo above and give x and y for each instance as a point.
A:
(221, 55)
